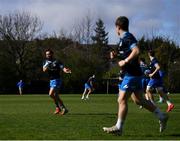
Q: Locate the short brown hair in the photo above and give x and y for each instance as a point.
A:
(49, 50)
(151, 53)
(123, 23)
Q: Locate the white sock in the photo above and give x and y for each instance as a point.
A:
(152, 102)
(158, 113)
(119, 124)
(160, 99)
(168, 102)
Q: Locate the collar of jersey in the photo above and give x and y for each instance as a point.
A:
(123, 34)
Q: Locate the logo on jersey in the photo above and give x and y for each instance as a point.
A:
(125, 86)
(120, 43)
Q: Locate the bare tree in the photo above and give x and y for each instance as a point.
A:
(83, 29)
(17, 30)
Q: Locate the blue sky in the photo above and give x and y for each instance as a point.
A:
(147, 17)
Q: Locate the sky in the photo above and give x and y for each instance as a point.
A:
(147, 17)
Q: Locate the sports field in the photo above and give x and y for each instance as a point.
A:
(31, 117)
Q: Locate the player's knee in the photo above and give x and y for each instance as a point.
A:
(51, 94)
(121, 101)
(147, 90)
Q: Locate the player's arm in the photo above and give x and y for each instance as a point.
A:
(134, 53)
(113, 54)
(45, 66)
(92, 87)
(63, 68)
(91, 83)
(157, 66)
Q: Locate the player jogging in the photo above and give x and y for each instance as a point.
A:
(53, 68)
(131, 84)
(88, 87)
(20, 86)
(156, 81)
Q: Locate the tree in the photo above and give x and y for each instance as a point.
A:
(83, 30)
(100, 37)
(17, 30)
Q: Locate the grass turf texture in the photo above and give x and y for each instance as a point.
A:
(31, 117)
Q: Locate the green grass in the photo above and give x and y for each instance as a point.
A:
(31, 117)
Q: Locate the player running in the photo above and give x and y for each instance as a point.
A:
(156, 81)
(145, 77)
(20, 86)
(145, 70)
(53, 68)
(88, 87)
(131, 84)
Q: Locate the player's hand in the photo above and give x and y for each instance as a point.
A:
(151, 75)
(47, 64)
(112, 54)
(121, 63)
(67, 70)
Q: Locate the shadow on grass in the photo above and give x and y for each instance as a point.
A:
(95, 114)
(151, 135)
(174, 135)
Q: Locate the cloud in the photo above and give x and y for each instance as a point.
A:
(145, 15)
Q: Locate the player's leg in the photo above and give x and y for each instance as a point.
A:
(86, 87)
(122, 113)
(20, 90)
(152, 108)
(140, 100)
(52, 95)
(166, 99)
(149, 92)
(89, 92)
(60, 102)
(124, 94)
(161, 100)
(144, 86)
(83, 95)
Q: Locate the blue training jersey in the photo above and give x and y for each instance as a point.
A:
(125, 46)
(145, 69)
(90, 80)
(54, 68)
(153, 62)
(20, 84)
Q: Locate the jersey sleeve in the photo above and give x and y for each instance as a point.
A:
(131, 41)
(155, 61)
(46, 63)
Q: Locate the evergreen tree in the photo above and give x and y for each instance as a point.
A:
(100, 37)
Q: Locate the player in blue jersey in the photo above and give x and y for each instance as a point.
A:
(145, 77)
(156, 81)
(20, 86)
(162, 74)
(88, 87)
(53, 68)
(121, 75)
(128, 53)
(145, 70)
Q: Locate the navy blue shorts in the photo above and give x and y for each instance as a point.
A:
(155, 83)
(145, 82)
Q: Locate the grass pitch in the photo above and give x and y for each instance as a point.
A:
(30, 117)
